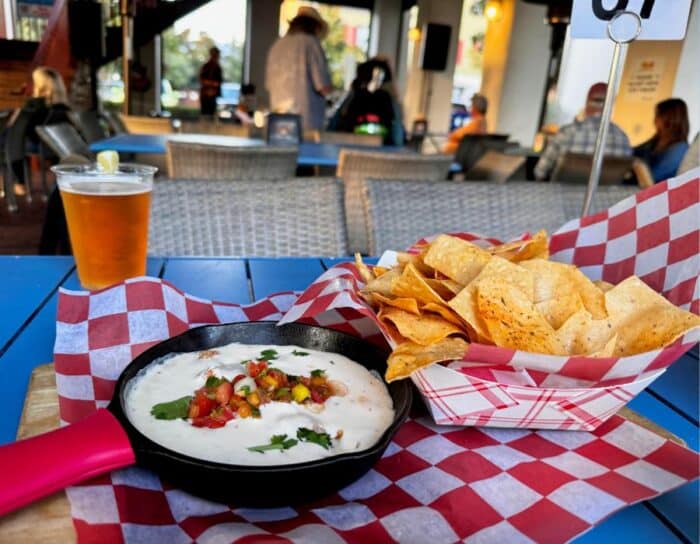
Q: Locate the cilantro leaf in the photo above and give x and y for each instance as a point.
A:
(282, 392)
(245, 390)
(300, 353)
(214, 381)
(277, 442)
(317, 373)
(268, 355)
(175, 409)
(308, 435)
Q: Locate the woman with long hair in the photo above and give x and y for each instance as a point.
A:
(48, 84)
(664, 151)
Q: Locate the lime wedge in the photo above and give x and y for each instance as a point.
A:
(108, 161)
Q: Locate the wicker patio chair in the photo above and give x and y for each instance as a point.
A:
(496, 167)
(356, 166)
(202, 161)
(89, 124)
(400, 212)
(576, 168)
(63, 140)
(211, 127)
(114, 122)
(136, 124)
(292, 217)
(349, 138)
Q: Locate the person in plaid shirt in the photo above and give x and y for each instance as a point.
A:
(580, 136)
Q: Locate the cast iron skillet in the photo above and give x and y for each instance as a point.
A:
(106, 440)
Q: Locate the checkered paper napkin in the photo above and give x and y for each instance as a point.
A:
(434, 484)
(654, 234)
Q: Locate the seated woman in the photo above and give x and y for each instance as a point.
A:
(476, 125)
(664, 152)
(48, 105)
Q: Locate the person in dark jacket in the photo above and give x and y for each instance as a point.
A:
(48, 105)
(210, 79)
(371, 101)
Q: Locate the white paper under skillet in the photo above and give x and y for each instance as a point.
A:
(363, 414)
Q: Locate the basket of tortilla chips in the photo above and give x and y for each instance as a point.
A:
(541, 333)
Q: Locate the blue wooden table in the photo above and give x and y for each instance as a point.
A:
(310, 153)
(27, 330)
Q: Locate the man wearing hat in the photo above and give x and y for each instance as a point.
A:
(580, 136)
(296, 74)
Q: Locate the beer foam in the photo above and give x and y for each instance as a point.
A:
(107, 185)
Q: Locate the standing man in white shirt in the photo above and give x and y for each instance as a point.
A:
(296, 75)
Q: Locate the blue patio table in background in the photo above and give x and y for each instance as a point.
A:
(27, 334)
(310, 153)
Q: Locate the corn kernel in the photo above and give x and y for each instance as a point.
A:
(300, 392)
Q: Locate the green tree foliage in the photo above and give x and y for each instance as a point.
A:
(335, 46)
(184, 54)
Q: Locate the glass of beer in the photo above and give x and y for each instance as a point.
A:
(107, 215)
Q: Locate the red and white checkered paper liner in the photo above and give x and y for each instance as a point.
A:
(433, 484)
(654, 234)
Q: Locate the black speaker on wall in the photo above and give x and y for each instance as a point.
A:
(435, 46)
(86, 29)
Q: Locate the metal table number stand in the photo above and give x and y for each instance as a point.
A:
(624, 27)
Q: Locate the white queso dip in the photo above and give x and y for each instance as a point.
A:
(299, 427)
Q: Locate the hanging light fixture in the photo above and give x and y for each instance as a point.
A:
(493, 10)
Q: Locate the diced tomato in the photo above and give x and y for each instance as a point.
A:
(317, 397)
(237, 379)
(223, 392)
(208, 422)
(201, 406)
(254, 369)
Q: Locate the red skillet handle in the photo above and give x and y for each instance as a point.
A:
(36, 467)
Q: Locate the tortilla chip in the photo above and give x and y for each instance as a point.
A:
(416, 260)
(643, 319)
(457, 259)
(411, 284)
(425, 329)
(536, 247)
(558, 310)
(365, 273)
(555, 280)
(603, 285)
(444, 311)
(441, 289)
(452, 286)
(608, 349)
(383, 284)
(407, 304)
(501, 271)
(409, 357)
(521, 250)
(379, 270)
(581, 334)
(512, 320)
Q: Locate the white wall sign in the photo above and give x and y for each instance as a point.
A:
(661, 19)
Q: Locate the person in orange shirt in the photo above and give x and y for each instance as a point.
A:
(476, 125)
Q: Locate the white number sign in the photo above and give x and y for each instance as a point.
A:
(661, 19)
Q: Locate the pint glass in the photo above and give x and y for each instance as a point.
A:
(107, 215)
